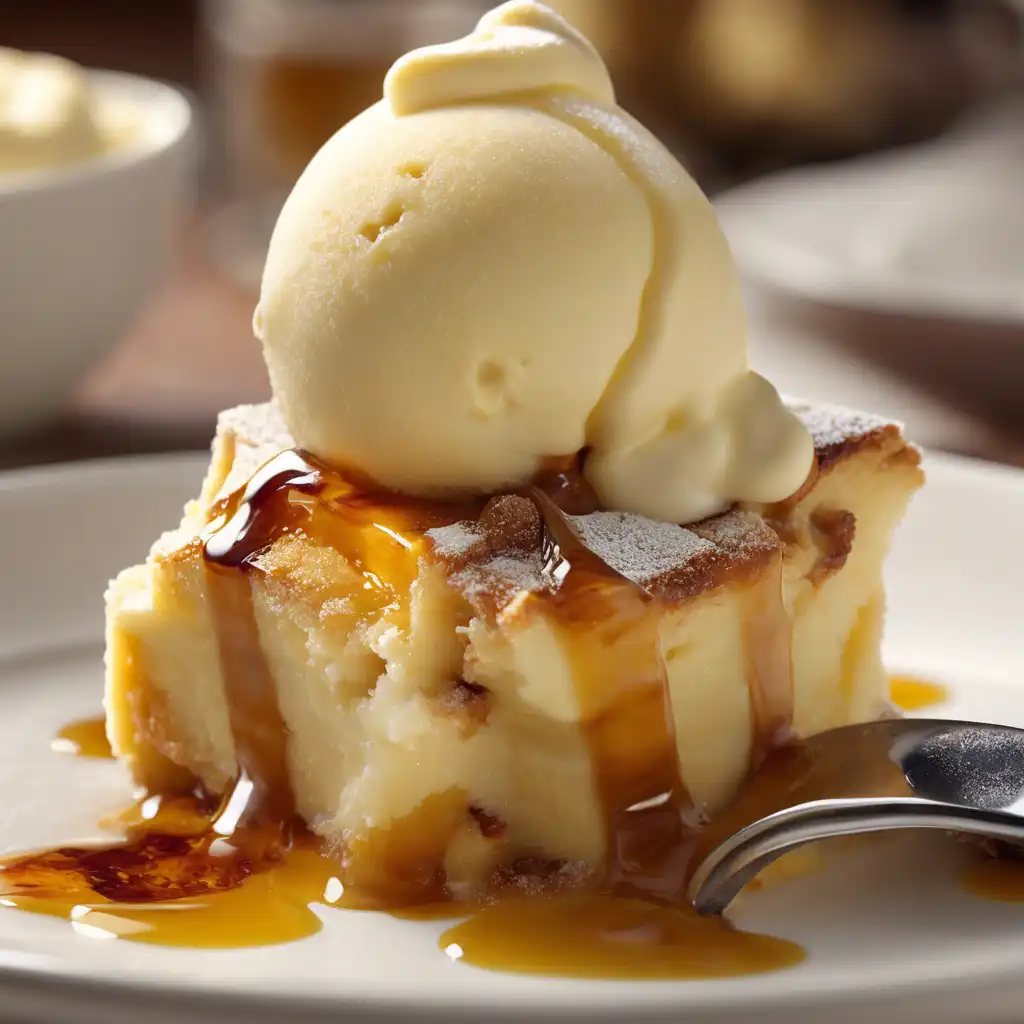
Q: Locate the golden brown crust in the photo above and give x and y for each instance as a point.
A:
(840, 433)
(744, 547)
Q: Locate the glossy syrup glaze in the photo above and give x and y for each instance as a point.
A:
(612, 629)
(250, 850)
(174, 881)
(86, 737)
(910, 693)
(996, 878)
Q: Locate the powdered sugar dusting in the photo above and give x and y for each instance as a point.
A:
(456, 541)
(737, 534)
(638, 548)
(257, 433)
(670, 561)
(257, 425)
(493, 584)
(832, 425)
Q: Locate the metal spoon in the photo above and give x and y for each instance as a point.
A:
(900, 773)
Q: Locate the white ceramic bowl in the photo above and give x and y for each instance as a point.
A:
(82, 246)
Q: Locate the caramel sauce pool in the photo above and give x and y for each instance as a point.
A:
(909, 693)
(243, 871)
(128, 891)
(1000, 879)
(166, 885)
(595, 936)
(84, 738)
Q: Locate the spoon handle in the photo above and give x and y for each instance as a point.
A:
(731, 865)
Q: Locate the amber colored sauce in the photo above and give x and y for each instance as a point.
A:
(1000, 879)
(803, 771)
(613, 626)
(84, 738)
(194, 874)
(594, 936)
(165, 884)
(769, 669)
(909, 693)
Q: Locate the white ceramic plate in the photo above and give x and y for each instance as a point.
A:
(934, 231)
(888, 934)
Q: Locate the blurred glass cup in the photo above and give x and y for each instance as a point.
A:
(282, 76)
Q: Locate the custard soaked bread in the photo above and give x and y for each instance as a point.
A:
(520, 689)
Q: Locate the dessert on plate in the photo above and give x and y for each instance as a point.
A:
(522, 543)
(523, 570)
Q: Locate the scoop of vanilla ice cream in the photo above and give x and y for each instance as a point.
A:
(496, 264)
(47, 115)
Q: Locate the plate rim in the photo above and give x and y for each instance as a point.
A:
(50, 474)
(796, 270)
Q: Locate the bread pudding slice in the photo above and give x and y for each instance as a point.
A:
(462, 695)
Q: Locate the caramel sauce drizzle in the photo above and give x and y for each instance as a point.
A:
(376, 532)
(624, 701)
(998, 876)
(173, 881)
(595, 936)
(909, 693)
(768, 643)
(259, 812)
(252, 839)
(84, 738)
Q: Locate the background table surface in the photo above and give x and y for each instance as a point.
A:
(192, 353)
